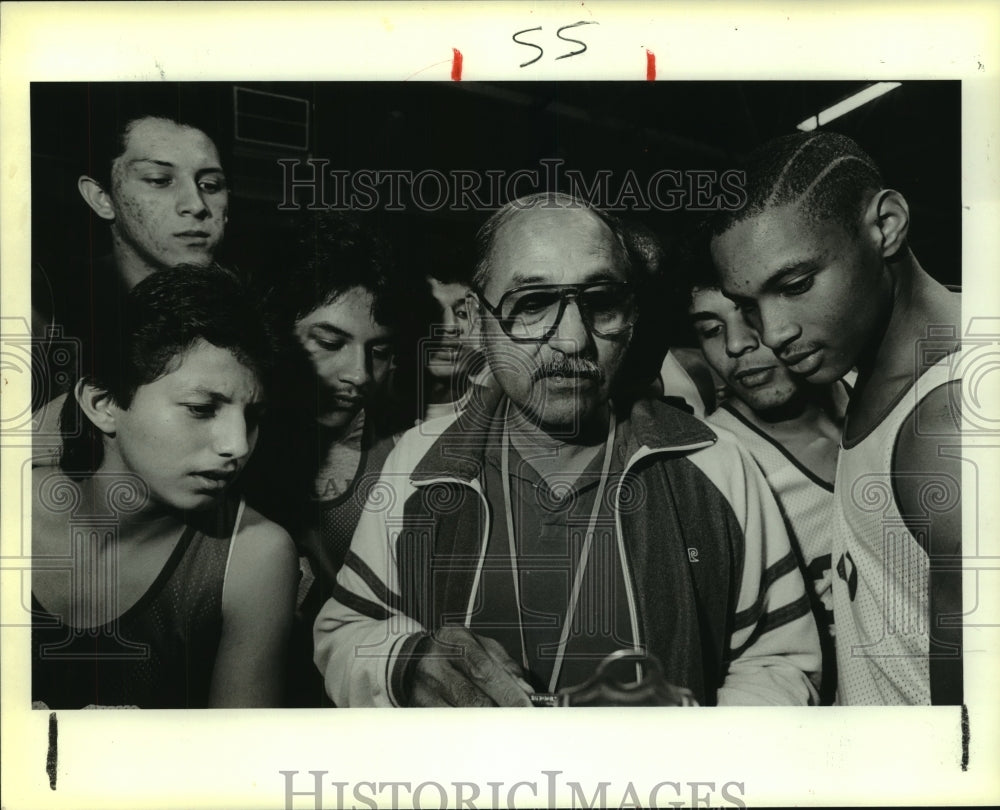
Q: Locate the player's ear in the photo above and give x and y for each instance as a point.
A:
(888, 220)
(96, 197)
(97, 405)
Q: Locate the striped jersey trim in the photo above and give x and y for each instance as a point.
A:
(802, 468)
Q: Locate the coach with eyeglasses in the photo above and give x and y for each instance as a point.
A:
(507, 551)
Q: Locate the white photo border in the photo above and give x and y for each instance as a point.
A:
(224, 759)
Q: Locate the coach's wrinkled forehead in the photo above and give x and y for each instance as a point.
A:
(527, 240)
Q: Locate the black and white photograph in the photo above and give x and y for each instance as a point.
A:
(663, 396)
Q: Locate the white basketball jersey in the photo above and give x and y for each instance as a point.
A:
(806, 500)
(881, 571)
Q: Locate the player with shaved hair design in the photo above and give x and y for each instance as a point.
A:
(819, 261)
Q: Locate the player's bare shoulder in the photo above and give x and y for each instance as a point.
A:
(263, 570)
(262, 539)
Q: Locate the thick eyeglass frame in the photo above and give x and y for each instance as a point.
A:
(566, 292)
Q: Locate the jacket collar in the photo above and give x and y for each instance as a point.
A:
(459, 452)
(660, 426)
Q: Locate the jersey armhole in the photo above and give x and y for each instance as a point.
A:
(894, 478)
(232, 545)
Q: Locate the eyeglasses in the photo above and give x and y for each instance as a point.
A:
(532, 313)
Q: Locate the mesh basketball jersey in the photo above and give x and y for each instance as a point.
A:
(806, 502)
(159, 654)
(323, 545)
(880, 586)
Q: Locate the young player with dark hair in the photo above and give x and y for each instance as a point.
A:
(159, 185)
(330, 429)
(448, 356)
(819, 261)
(153, 585)
(163, 194)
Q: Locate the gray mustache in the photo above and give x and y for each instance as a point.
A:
(578, 367)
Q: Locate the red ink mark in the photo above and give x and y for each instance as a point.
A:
(456, 65)
(650, 66)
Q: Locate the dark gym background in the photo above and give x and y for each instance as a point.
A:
(913, 133)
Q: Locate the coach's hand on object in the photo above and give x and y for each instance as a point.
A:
(455, 667)
(613, 684)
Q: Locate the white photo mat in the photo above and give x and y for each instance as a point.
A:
(234, 759)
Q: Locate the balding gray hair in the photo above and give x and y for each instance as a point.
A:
(486, 236)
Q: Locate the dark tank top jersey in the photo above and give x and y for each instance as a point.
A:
(159, 654)
(326, 544)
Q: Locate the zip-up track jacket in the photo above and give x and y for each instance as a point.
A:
(712, 584)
